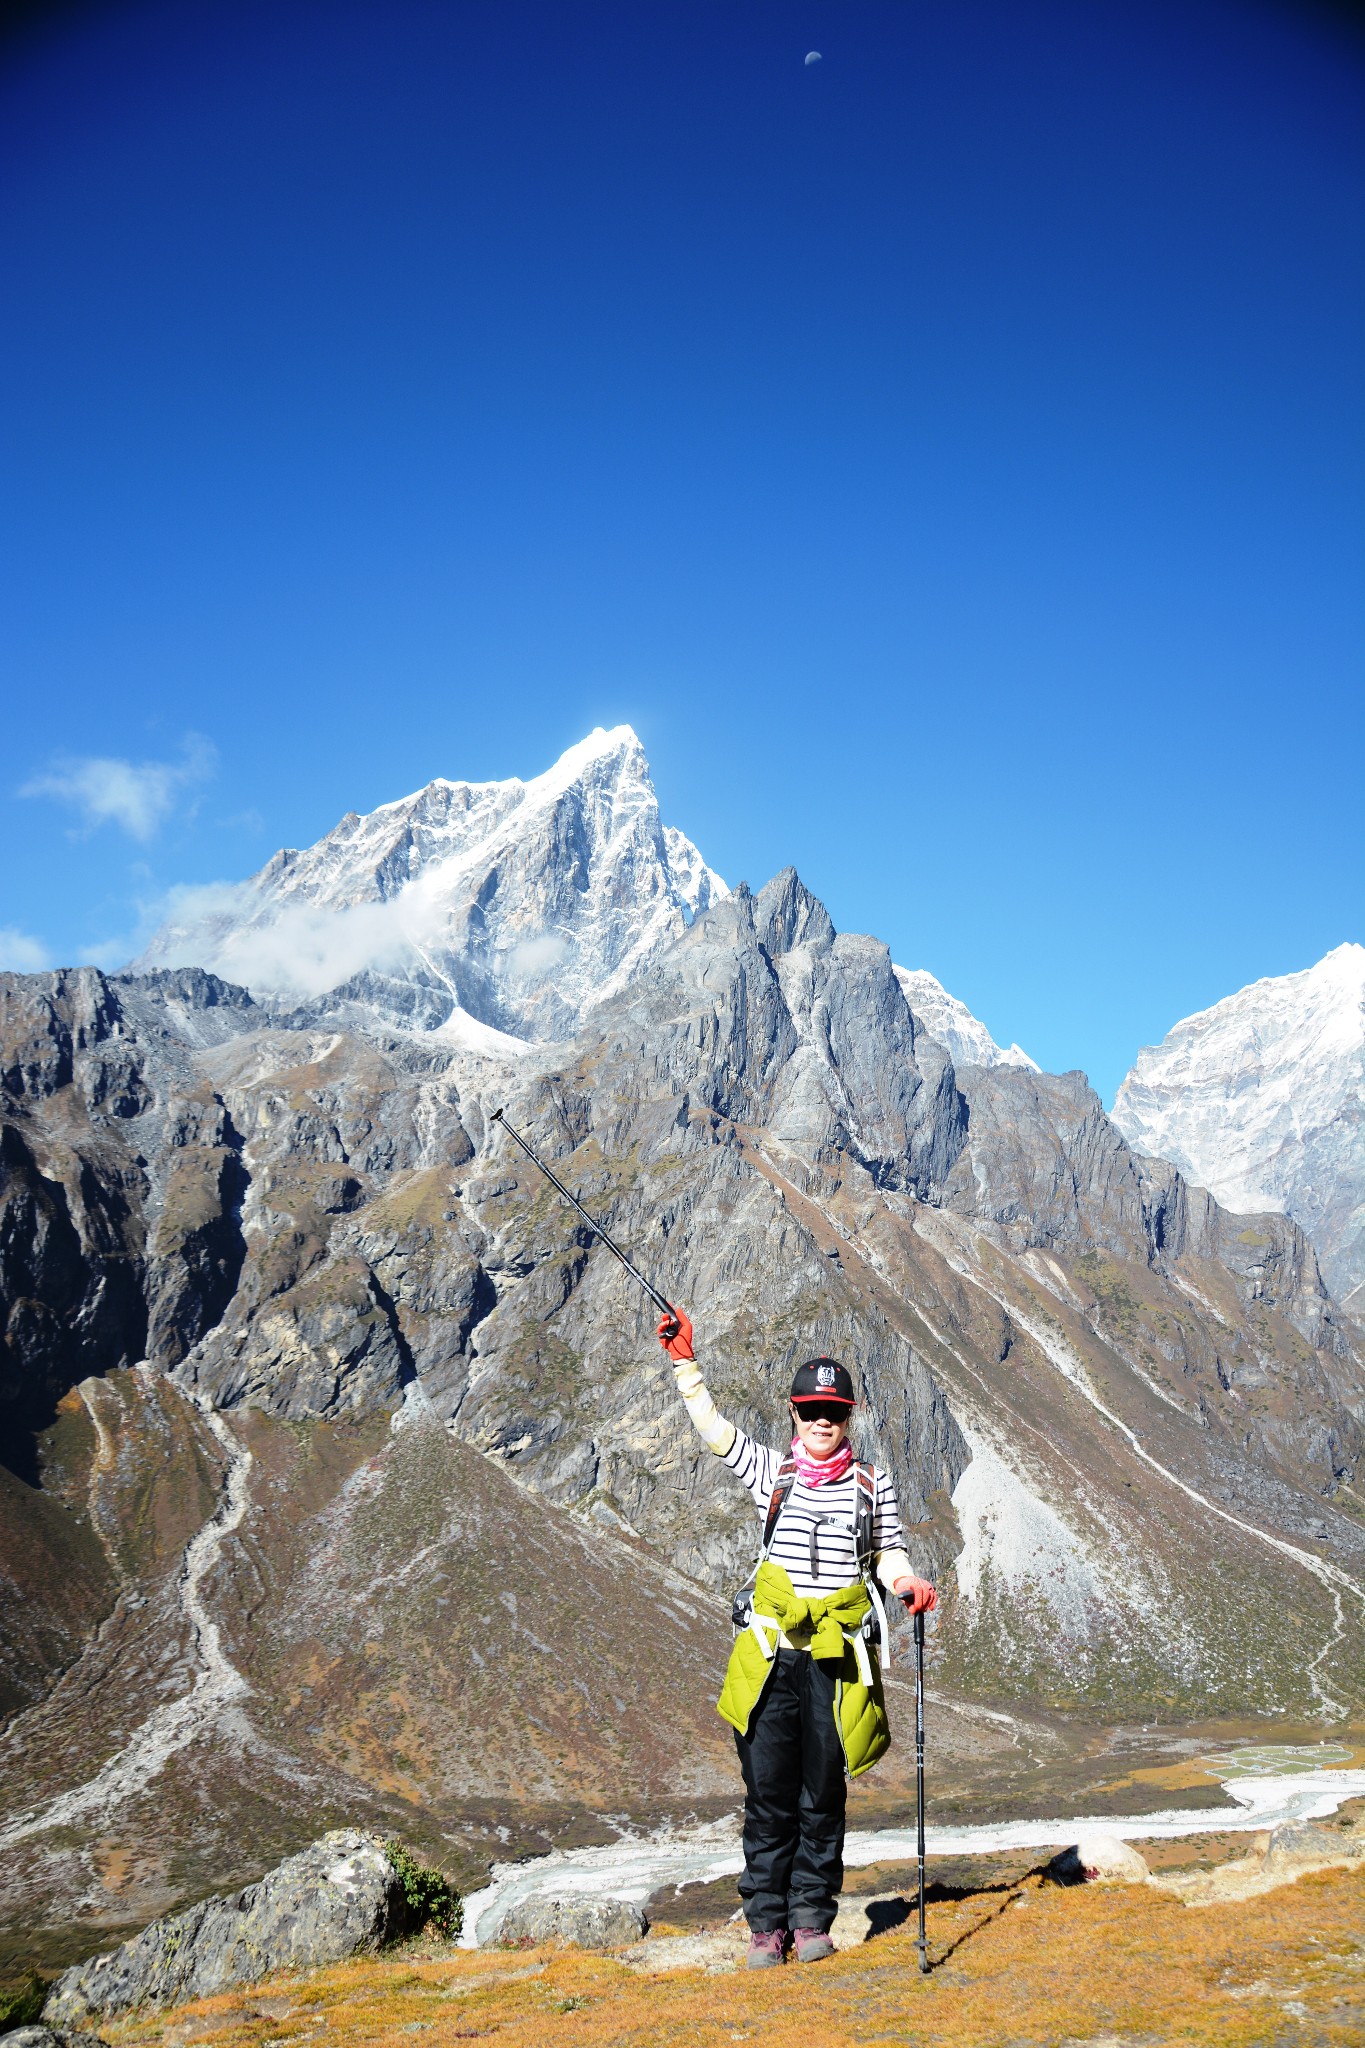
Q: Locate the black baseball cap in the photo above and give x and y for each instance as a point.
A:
(823, 1379)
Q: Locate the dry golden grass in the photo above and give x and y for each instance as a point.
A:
(1030, 1967)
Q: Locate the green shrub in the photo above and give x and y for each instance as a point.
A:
(23, 2003)
(432, 1902)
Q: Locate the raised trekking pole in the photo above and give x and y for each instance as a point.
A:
(919, 1782)
(636, 1275)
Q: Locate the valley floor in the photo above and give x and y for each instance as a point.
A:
(1017, 1964)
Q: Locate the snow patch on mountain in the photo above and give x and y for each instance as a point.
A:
(508, 905)
(965, 1037)
(1261, 1100)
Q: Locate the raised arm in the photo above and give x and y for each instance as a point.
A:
(715, 1432)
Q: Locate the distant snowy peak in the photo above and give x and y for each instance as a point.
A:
(503, 905)
(1261, 1099)
(968, 1041)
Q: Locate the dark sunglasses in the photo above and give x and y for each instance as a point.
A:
(823, 1411)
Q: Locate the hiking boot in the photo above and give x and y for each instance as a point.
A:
(811, 1945)
(765, 1950)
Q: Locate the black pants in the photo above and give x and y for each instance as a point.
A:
(793, 1765)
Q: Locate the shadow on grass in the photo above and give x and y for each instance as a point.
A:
(886, 1916)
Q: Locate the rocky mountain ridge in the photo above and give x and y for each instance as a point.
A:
(332, 1432)
(325, 1226)
(1261, 1099)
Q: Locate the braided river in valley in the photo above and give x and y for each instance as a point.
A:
(1266, 1784)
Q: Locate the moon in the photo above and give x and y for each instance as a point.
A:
(813, 57)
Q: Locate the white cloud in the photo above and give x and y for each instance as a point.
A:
(314, 950)
(533, 958)
(302, 951)
(305, 949)
(188, 905)
(138, 795)
(110, 954)
(21, 954)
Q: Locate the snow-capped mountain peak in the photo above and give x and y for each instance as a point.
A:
(512, 904)
(966, 1038)
(1261, 1099)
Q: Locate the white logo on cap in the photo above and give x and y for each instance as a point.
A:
(825, 1375)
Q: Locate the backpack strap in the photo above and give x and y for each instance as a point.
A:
(864, 1517)
(742, 1606)
(864, 1514)
(864, 1522)
(777, 1500)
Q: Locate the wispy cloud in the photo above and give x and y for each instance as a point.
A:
(302, 949)
(20, 952)
(533, 959)
(138, 795)
(246, 935)
(110, 954)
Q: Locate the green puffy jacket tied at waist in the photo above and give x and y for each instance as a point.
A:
(833, 1623)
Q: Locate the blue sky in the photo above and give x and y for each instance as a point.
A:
(947, 455)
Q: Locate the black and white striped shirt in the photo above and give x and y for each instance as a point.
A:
(815, 1540)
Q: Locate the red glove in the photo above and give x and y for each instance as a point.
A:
(918, 1595)
(675, 1334)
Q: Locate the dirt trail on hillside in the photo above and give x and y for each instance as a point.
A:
(174, 1726)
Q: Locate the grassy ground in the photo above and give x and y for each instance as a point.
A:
(1023, 1965)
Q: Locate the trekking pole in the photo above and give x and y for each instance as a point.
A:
(638, 1277)
(919, 1782)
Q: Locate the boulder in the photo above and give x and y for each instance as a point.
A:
(1299, 1844)
(860, 1919)
(587, 1919)
(50, 2037)
(340, 1897)
(1099, 1859)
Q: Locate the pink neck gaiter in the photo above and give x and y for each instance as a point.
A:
(819, 1471)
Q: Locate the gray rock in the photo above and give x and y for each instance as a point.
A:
(861, 1920)
(1302, 1842)
(340, 1897)
(50, 2037)
(584, 1918)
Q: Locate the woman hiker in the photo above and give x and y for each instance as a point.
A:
(802, 1691)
